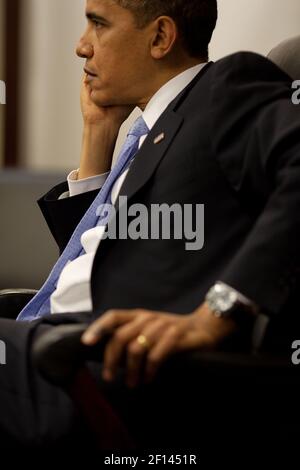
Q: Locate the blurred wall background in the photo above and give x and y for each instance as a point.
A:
(256, 25)
(2, 107)
(50, 127)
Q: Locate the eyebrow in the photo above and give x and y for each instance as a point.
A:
(93, 16)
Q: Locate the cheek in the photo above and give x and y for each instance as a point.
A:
(108, 58)
(117, 68)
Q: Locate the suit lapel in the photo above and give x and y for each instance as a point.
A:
(156, 144)
(151, 153)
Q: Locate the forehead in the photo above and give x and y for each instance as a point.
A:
(109, 9)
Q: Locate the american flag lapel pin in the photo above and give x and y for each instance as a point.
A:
(159, 138)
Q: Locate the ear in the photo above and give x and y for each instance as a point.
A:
(165, 34)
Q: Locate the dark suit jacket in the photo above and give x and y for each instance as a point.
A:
(232, 143)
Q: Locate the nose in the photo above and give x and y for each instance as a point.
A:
(84, 49)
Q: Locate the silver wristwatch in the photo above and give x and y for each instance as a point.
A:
(226, 302)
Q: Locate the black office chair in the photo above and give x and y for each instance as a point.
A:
(286, 55)
(253, 391)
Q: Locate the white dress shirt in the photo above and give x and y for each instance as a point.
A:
(73, 292)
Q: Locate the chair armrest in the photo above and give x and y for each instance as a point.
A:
(12, 301)
(59, 354)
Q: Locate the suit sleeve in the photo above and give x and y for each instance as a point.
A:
(63, 216)
(258, 149)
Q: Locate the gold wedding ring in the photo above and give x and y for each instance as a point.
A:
(143, 341)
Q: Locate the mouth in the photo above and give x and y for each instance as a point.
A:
(89, 74)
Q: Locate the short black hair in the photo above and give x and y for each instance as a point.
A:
(195, 19)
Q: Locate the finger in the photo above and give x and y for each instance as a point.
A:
(106, 324)
(166, 346)
(86, 88)
(116, 347)
(136, 352)
(85, 84)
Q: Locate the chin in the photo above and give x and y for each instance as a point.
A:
(103, 99)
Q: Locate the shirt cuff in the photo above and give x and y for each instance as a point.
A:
(84, 185)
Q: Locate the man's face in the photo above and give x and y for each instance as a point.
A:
(117, 54)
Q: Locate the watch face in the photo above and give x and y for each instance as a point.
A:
(221, 299)
(226, 300)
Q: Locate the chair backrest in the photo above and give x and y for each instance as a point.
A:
(287, 56)
(27, 250)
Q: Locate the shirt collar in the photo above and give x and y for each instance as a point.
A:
(167, 93)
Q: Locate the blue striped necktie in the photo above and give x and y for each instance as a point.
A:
(40, 304)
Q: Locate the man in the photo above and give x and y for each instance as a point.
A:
(224, 135)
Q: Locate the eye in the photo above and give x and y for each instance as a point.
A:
(97, 24)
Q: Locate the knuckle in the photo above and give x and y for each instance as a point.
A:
(165, 322)
(173, 332)
(112, 314)
(176, 330)
(108, 314)
(119, 336)
(144, 313)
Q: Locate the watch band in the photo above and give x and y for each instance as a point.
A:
(223, 300)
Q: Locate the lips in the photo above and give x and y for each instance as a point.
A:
(88, 72)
